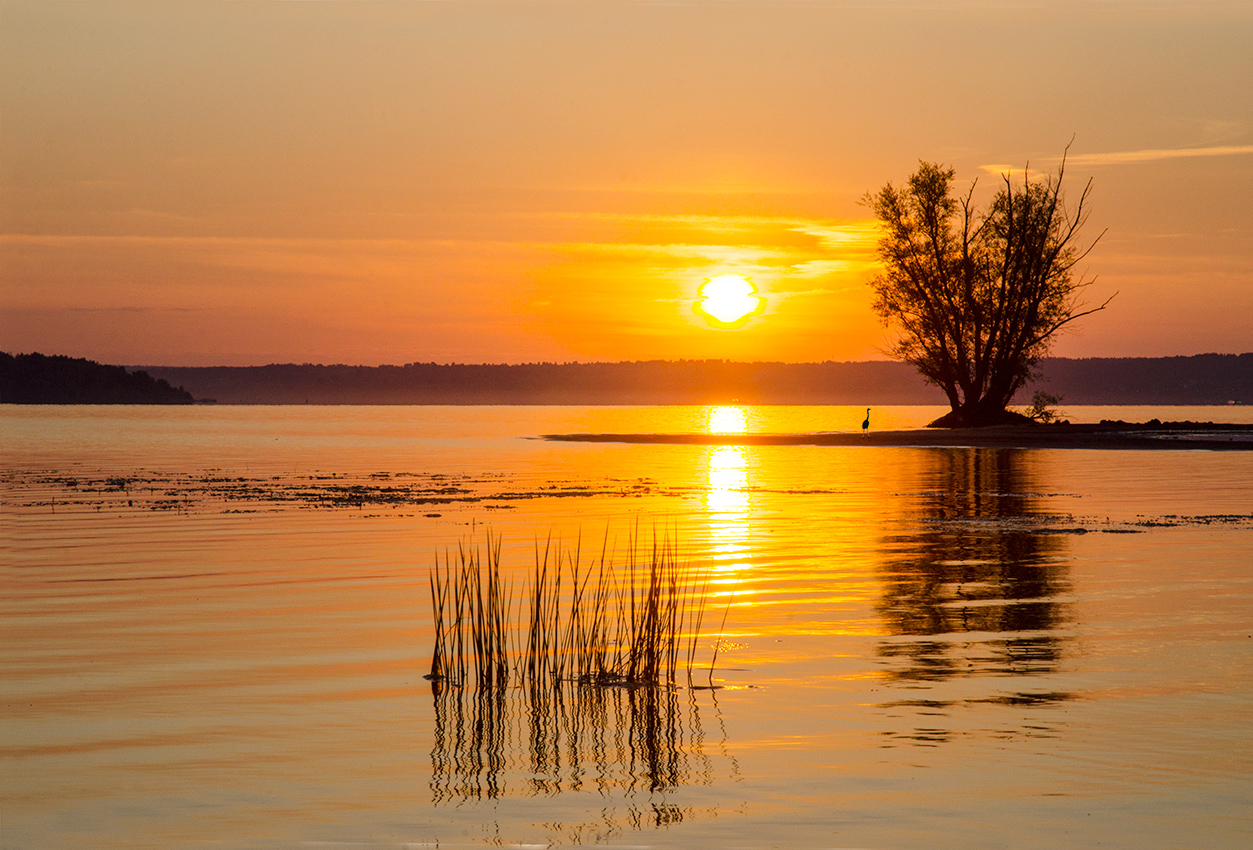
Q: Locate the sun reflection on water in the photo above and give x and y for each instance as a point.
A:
(728, 507)
(728, 420)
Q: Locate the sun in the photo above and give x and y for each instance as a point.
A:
(728, 301)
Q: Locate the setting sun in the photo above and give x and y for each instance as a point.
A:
(728, 300)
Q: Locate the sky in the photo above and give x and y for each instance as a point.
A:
(235, 183)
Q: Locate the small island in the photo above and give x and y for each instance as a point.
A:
(1107, 434)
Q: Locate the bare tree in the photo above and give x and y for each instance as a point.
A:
(977, 298)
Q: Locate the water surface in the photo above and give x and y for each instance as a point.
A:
(215, 628)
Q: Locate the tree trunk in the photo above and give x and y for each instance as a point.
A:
(979, 413)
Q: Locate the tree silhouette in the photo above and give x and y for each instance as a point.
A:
(976, 297)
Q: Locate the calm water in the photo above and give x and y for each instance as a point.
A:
(215, 624)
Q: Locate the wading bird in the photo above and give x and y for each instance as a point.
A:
(865, 424)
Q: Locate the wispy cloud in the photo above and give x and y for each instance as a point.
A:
(1120, 157)
(1128, 157)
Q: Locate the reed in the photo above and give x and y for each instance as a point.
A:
(601, 621)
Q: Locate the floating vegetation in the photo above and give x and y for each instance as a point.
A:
(429, 494)
(219, 491)
(634, 622)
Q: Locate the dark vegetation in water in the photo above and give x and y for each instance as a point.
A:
(392, 494)
(569, 679)
(36, 379)
(232, 493)
(1200, 379)
(634, 622)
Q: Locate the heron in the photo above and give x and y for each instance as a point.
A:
(865, 424)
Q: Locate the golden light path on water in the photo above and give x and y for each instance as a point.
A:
(728, 505)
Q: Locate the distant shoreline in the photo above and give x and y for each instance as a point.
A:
(1207, 379)
(1204, 379)
(1171, 436)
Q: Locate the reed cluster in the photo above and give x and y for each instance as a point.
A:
(604, 621)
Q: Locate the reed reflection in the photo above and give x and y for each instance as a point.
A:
(498, 741)
(979, 566)
(567, 680)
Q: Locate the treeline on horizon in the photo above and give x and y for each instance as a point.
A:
(40, 379)
(1199, 379)
(56, 379)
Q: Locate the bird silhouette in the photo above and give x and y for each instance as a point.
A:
(865, 425)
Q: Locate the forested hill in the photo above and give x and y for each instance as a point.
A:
(1202, 379)
(39, 379)
(36, 379)
(641, 382)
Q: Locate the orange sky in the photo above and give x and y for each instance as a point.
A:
(239, 183)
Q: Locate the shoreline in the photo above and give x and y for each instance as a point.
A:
(1170, 436)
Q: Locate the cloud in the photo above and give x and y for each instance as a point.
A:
(1121, 157)
(820, 268)
(1127, 157)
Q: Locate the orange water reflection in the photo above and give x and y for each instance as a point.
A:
(243, 631)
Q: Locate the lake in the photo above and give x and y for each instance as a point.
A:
(216, 624)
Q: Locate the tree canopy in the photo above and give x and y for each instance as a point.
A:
(36, 379)
(977, 297)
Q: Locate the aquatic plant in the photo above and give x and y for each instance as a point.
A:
(594, 622)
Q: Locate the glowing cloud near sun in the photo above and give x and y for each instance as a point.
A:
(728, 301)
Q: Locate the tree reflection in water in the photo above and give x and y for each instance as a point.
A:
(498, 741)
(981, 566)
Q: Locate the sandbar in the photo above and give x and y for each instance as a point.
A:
(1152, 436)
